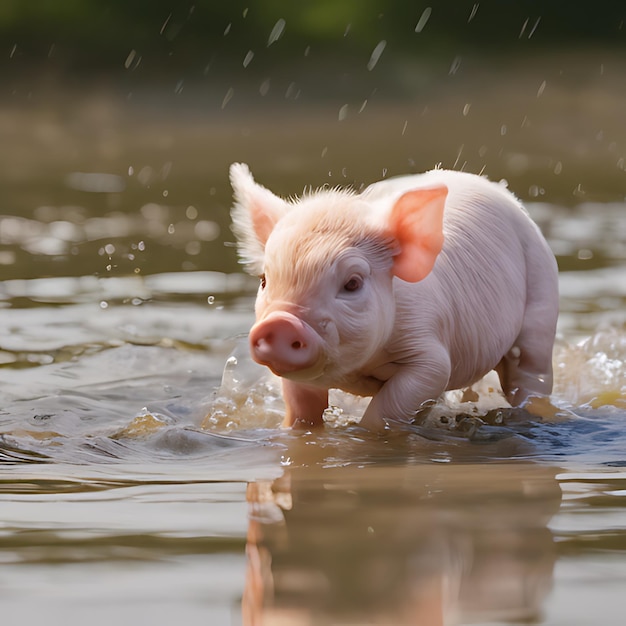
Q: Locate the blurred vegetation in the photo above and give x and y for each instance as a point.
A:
(154, 38)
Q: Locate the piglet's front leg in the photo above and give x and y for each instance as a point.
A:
(305, 404)
(402, 395)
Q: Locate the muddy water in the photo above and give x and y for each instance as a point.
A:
(142, 472)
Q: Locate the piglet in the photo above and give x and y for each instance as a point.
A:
(417, 285)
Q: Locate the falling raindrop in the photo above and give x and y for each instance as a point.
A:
(248, 58)
(277, 32)
(343, 112)
(423, 19)
(406, 123)
(541, 89)
(130, 58)
(456, 64)
(265, 87)
(228, 97)
(165, 23)
(376, 54)
(292, 91)
(534, 28)
(472, 13)
(466, 109)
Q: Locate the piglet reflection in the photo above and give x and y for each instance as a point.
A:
(417, 544)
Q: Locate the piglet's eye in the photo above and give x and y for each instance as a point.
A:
(262, 279)
(354, 284)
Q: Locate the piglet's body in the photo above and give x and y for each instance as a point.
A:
(417, 285)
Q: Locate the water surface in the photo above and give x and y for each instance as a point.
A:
(143, 475)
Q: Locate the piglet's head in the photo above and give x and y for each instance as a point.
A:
(326, 264)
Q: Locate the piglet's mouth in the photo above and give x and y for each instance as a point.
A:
(288, 346)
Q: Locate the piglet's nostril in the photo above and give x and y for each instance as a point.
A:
(296, 345)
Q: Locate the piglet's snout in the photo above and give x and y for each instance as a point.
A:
(284, 343)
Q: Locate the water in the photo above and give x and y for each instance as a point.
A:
(143, 475)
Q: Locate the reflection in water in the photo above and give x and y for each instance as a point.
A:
(410, 544)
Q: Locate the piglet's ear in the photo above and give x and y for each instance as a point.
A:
(416, 223)
(255, 213)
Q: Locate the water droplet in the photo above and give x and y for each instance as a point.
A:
(141, 246)
(503, 129)
(376, 54)
(131, 170)
(165, 193)
(343, 112)
(165, 23)
(171, 229)
(193, 248)
(109, 249)
(406, 123)
(228, 97)
(473, 12)
(584, 254)
(191, 213)
(211, 299)
(466, 109)
(558, 168)
(423, 19)
(130, 58)
(363, 106)
(292, 91)
(534, 28)
(227, 29)
(277, 32)
(324, 151)
(265, 87)
(541, 89)
(456, 64)
(248, 58)
(104, 304)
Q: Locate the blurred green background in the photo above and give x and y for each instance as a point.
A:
(163, 96)
(205, 40)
